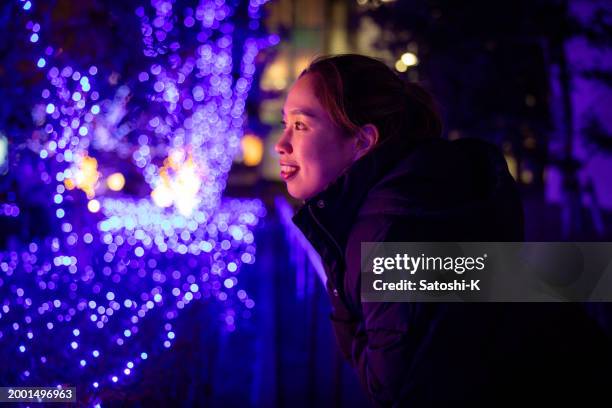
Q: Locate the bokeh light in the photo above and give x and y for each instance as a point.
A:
(101, 293)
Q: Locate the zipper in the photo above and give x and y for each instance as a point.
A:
(331, 238)
(337, 293)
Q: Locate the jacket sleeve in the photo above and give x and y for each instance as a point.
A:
(381, 351)
(383, 344)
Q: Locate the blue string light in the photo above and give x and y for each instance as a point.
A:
(97, 289)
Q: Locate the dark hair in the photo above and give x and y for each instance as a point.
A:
(357, 90)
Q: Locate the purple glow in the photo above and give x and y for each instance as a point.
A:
(108, 271)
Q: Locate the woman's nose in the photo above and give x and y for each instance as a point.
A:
(283, 146)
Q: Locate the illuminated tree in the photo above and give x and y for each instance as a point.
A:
(131, 159)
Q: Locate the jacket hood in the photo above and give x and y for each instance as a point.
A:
(466, 178)
(465, 181)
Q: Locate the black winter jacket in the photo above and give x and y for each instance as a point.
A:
(445, 354)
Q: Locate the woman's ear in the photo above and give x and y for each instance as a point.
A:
(366, 139)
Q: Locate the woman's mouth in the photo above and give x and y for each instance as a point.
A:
(288, 171)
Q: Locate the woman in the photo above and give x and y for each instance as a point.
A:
(363, 150)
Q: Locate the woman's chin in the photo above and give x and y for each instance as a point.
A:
(296, 195)
(297, 192)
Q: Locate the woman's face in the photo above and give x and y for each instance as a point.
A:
(313, 151)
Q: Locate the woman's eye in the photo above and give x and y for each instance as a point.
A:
(296, 125)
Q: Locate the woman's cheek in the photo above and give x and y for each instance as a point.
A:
(315, 158)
